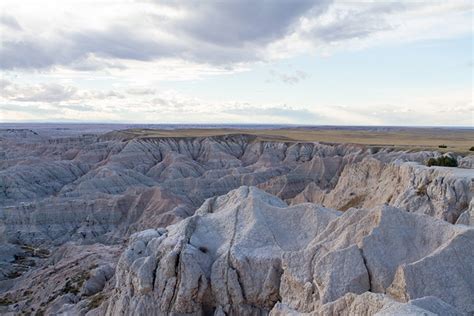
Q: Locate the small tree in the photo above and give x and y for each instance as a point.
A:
(444, 161)
(471, 149)
(431, 162)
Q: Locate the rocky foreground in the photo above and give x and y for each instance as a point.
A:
(230, 225)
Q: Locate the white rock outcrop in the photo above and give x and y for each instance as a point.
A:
(125, 224)
(247, 252)
(227, 256)
(440, 192)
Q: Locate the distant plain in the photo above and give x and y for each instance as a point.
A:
(409, 138)
(455, 139)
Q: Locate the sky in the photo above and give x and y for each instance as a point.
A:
(403, 63)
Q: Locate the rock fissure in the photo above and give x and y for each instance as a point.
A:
(367, 268)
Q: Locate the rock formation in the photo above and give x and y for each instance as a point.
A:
(439, 192)
(247, 252)
(231, 224)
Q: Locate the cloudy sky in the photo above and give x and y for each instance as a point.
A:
(246, 61)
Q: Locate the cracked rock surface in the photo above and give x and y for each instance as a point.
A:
(247, 252)
(98, 224)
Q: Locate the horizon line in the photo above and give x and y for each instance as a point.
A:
(225, 124)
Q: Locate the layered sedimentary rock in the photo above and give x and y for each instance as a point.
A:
(249, 253)
(439, 192)
(467, 217)
(69, 280)
(102, 188)
(365, 227)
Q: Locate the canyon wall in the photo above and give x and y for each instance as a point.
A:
(229, 225)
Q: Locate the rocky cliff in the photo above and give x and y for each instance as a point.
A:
(249, 253)
(229, 225)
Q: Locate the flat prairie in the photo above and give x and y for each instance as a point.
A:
(458, 140)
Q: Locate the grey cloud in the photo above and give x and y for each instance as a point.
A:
(30, 108)
(27, 54)
(91, 63)
(99, 95)
(299, 115)
(10, 22)
(77, 107)
(360, 23)
(289, 78)
(349, 28)
(141, 91)
(44, 93)
(119, 42)
(4, 83)
(51, 93)
(172, 104)
(214, 32)
(114, 94)
(237, 23)
(33, 108)
(74, 49)
(220, 33)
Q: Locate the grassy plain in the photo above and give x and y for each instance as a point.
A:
(411, 138)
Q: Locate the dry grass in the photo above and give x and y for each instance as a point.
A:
(456, 140)
(356, 201)
(74, 284)
(96, 300)
(421, 190)
(4, 301)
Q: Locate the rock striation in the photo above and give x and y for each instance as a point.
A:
(229, 225)
(440, 192)
(89, 189)
(247, 252)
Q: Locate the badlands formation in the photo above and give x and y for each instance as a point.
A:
(108, 224)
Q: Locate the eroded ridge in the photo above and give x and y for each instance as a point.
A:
(230, 224)
(249, 253)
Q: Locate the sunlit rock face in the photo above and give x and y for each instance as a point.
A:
(229, 225)
(247, 252)
(440, 192)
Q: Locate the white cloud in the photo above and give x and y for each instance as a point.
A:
(57, 102)
(95, 35)
(428, 108)
(210, 32)
(105, 60)
(356, 25)
(50, 93)
(292, 77)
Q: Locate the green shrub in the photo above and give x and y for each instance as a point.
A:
(442, 146)
(471, 149)
(75, 283)
(445, 161)
(421, 190)
(4, 301)
(96, 300)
